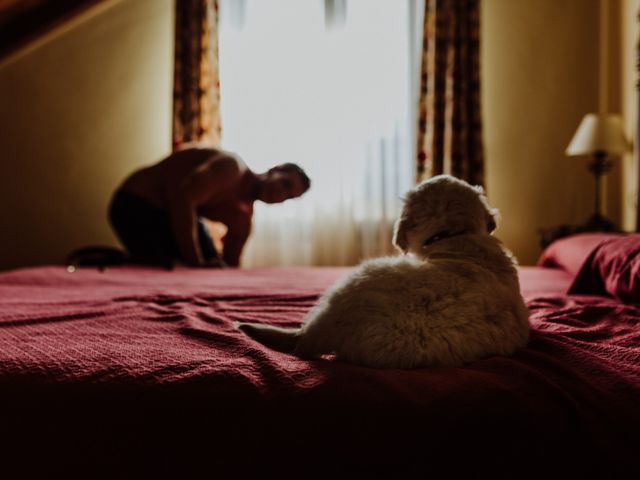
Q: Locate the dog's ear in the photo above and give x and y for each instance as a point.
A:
(491, 216)
(400, 236)
(479, 190)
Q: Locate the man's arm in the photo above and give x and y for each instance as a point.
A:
(234, 241)
(208, 180)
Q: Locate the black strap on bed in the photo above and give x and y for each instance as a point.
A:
(102, 257)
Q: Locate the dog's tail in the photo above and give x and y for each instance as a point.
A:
(281, 339)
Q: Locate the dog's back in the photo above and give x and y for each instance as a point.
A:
(403, 312)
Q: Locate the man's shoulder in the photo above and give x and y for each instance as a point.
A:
(219, 163)
(228, 168)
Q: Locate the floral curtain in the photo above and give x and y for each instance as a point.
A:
(449, 125)
(196, 91)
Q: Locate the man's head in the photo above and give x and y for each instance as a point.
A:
(283, 182)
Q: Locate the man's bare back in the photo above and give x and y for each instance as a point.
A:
(204, 182)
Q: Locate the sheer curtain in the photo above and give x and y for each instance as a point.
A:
(334, 94)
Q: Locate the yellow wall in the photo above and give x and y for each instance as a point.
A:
(629, 33)
(540, 76)
(77, 114)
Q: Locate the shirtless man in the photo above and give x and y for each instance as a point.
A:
(157, 212)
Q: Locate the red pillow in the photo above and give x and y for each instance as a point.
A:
(612, 268)
(570, 253)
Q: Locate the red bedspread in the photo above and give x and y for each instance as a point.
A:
(141, 371)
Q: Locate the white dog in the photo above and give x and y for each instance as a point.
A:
(453, 298)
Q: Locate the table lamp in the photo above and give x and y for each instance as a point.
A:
(600, 136)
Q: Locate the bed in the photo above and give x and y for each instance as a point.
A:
(136, 372)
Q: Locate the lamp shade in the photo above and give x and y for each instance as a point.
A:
(599, 133)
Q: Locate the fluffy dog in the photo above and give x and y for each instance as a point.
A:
(452, 298)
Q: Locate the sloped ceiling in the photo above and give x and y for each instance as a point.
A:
(22, 21)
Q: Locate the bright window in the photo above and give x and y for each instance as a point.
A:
(339, 102)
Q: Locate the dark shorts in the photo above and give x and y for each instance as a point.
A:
(145, 231)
